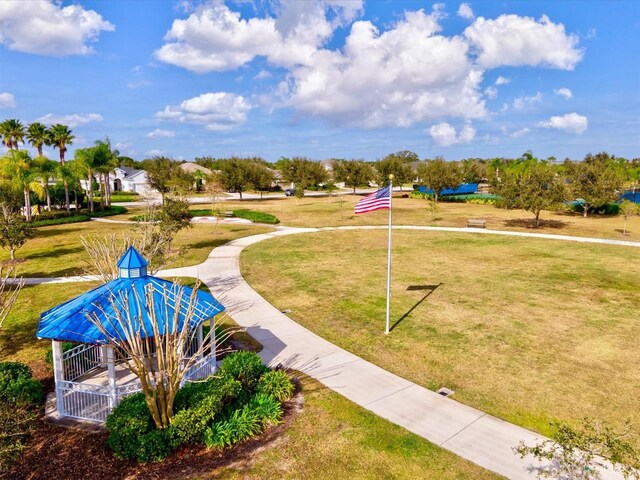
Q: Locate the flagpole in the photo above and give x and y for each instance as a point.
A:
(386, 331)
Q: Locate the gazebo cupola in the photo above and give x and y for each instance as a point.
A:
(132, 264)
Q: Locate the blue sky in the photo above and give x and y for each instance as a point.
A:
(328, 78)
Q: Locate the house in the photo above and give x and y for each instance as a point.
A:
(127, 179)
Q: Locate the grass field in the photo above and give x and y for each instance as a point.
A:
(329, 211)
(56, 251)
(529, 330)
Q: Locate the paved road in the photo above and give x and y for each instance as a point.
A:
(468, 432)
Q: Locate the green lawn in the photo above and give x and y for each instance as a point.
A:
(56, 251)
(529, 330)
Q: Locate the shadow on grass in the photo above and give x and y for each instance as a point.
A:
(62, 272)
(54, 230)
(412, 288)
(531, 223)
(54, 252)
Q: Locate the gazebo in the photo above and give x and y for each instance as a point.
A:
(91, 378)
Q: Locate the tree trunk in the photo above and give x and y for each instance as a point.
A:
(585, 210)
(46, 189)
(102, 190)
(66, 196)
(90, 191)
(12, 252)
(240, 192)
(354, 189)
(75, 193)
(624, 229)
(108, 188)
(538, 219)
(27, 205)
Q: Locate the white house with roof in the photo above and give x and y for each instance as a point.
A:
(127, 179)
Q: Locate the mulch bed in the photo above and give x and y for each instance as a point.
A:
(59, 453)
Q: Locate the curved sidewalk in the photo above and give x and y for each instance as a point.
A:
(470, 433)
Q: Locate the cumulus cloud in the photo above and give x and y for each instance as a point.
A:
(72, 120)
(389, 79)
(7, 100)
(444, 134)
(520, 133)
(512, 40)
(522, 103)
(465, 11)
(47, 28)
(570, 122)
(491, 92)
(564, 92)
(215, 38)
(159, 133)
(219, 111)
(502, 80)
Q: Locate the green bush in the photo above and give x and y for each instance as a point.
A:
(246, 367)
(153, 446)
(108, 211)
(127, 424)
(606, 209)
(60, 221)
(18, 386)
(256, 217)
(267, 409)
(275, 383)
(242, 424)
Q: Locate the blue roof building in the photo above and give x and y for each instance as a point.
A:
(88, 384)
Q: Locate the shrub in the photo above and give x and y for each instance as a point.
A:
(126, 425)
(246, 367)
(17, 386)
(242, 424)
(153, 446)
(60, 221)
(267, 409)
(258, 217)
(275, 383)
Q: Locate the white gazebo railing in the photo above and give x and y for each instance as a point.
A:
(94, 383)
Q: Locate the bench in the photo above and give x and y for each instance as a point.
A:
(476, 223)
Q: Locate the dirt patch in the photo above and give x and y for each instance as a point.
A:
(56, 453)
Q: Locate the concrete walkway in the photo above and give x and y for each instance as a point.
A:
(470, 433)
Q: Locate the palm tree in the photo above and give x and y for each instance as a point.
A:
(46, 171)
(19, 168)
(108, 164)
(12, 132)
(38, 135)
(60, 137)
(89, 163)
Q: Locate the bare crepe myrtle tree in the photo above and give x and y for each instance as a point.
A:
(161, 353)
(148, 237)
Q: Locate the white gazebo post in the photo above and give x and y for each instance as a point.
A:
(111, 370)
(200, 340)
(212, 342)
(58, 375)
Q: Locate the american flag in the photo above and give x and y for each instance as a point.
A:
(374, 201)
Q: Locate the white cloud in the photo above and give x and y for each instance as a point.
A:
(564, 92)
(465, 11)
(522, 103)
(502, 80)
(491, 92)
(154, 153)
(138, 84)
(262, 74)
(444, 134)
(215, 38)
(46, 28)
(219, 111)
(7, 100)
(396, 78)
(520, 133)
(513, 40)
(570, 122)
(159, 133)
(72, 120)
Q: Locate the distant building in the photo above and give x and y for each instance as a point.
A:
(130, 180)
(191, 167)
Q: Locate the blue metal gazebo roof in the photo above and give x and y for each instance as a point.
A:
(70, 321)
